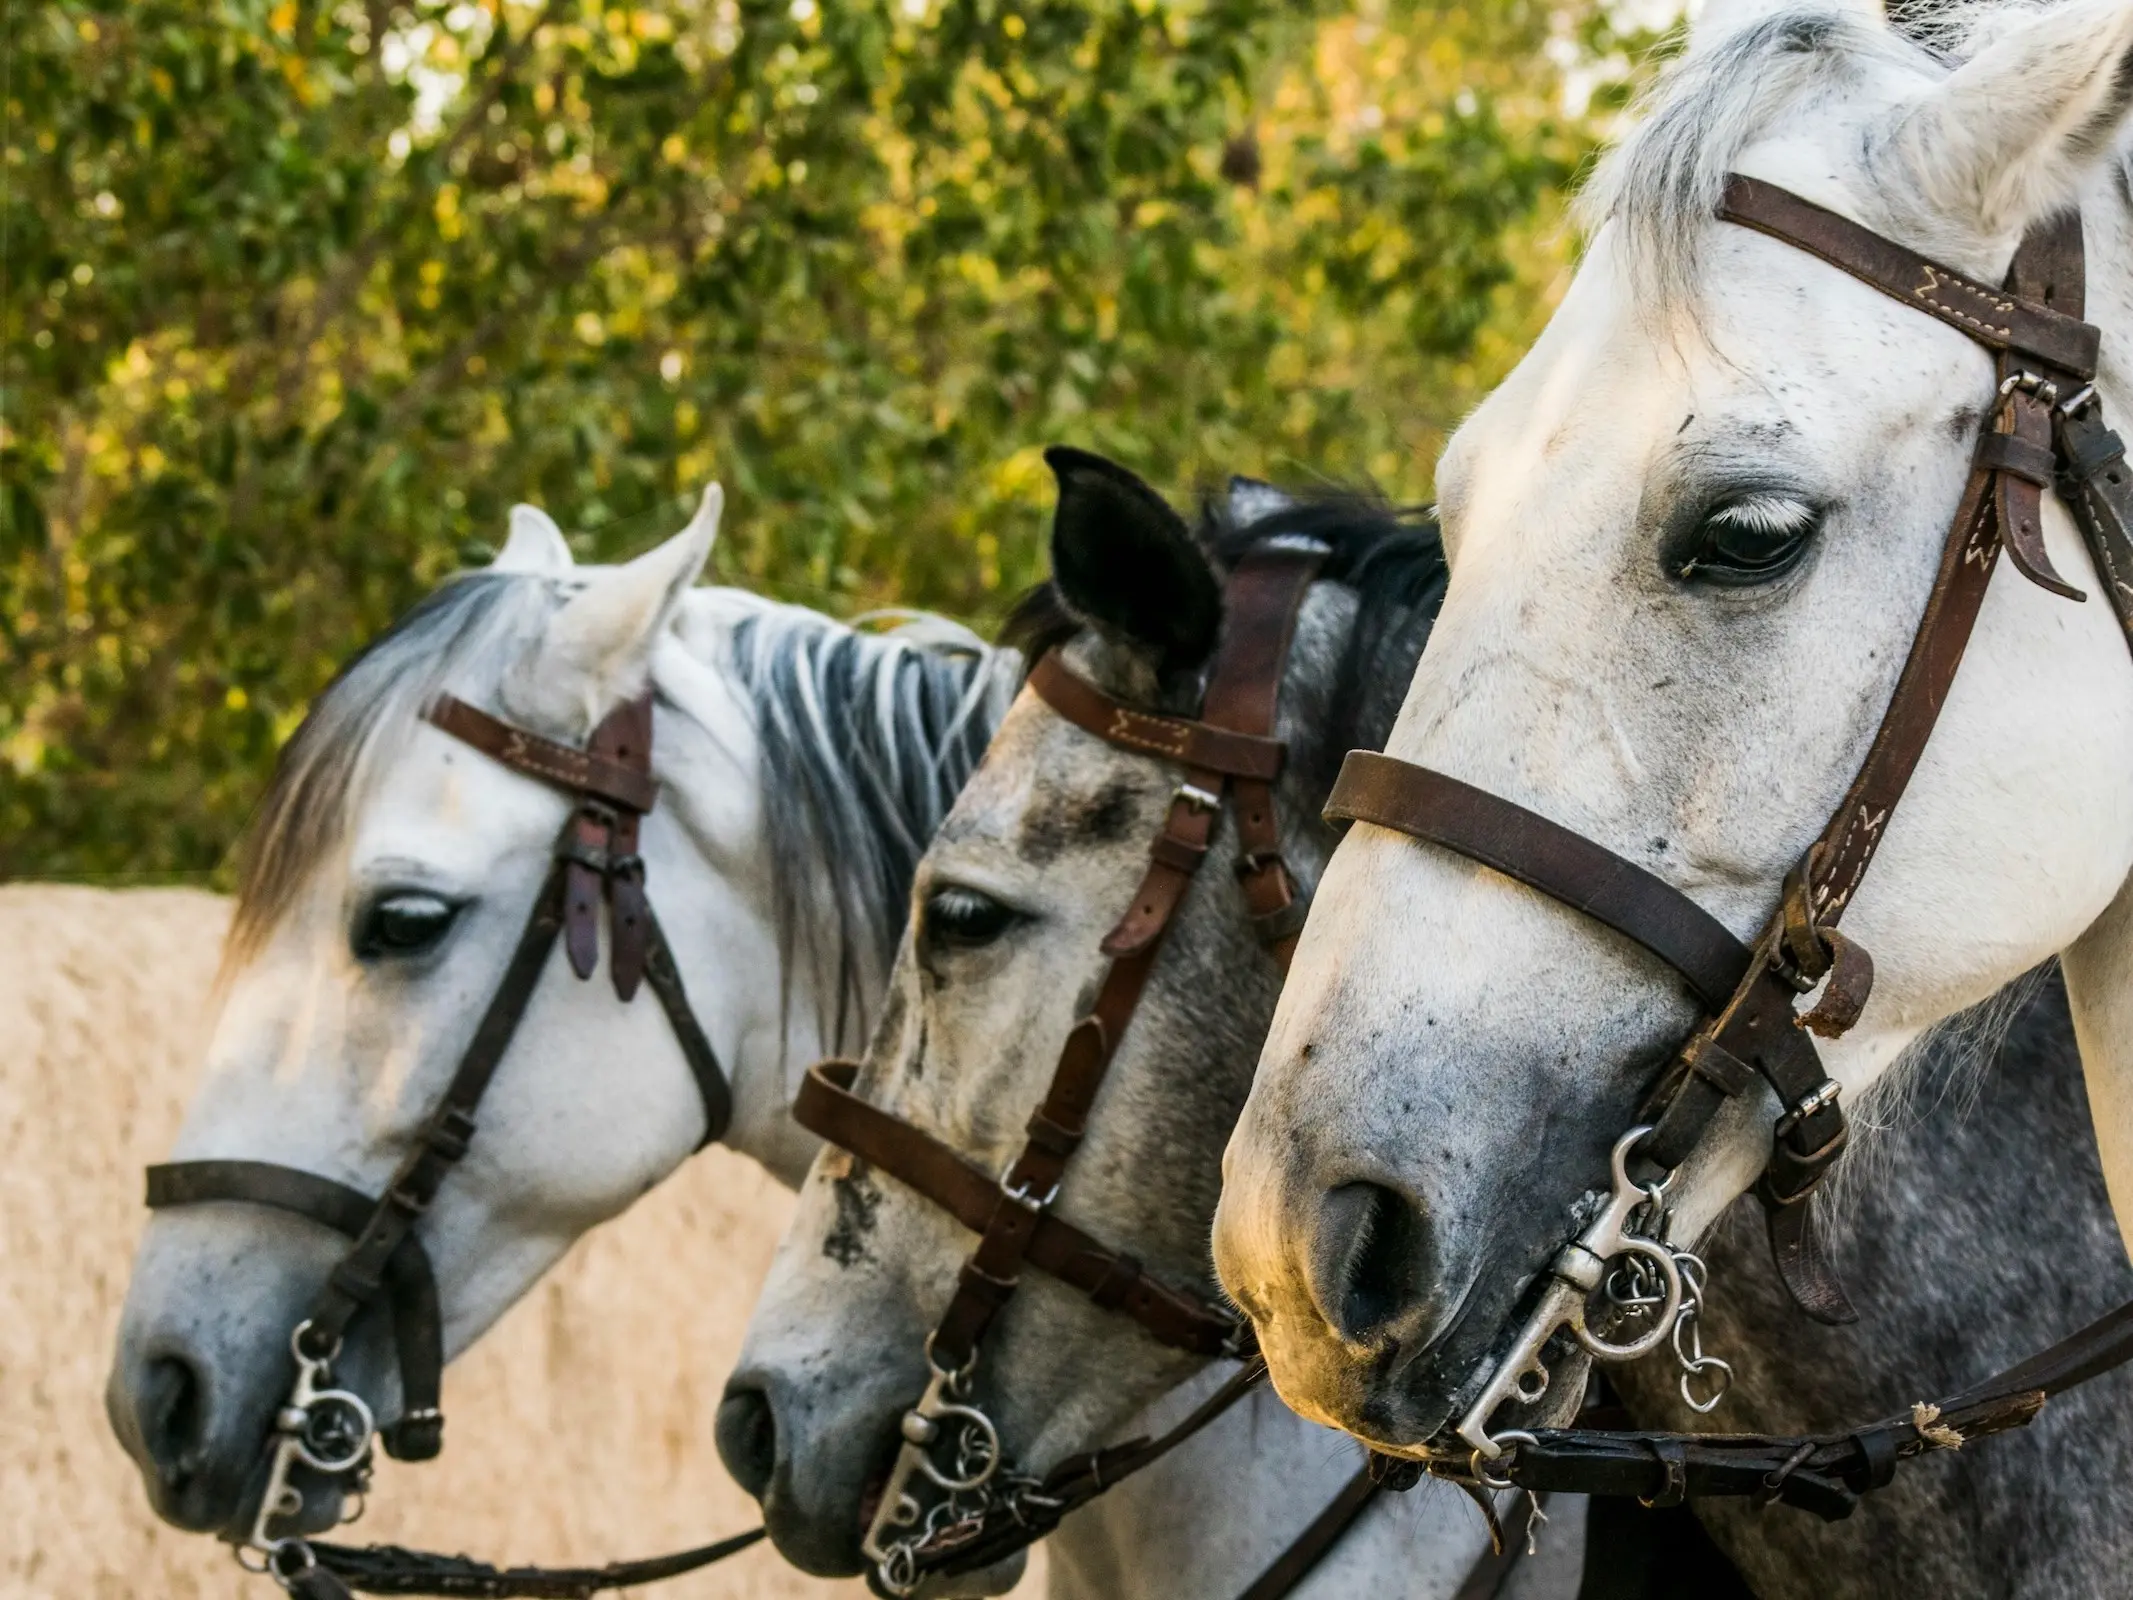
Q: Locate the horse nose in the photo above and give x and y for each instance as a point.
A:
(747, 1435)
(1368, 1260)
(171, 1405)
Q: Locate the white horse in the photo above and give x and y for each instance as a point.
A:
(1691, 538)
(1010, 907)
(803, 766)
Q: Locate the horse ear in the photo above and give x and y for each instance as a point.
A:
(2007, 140)
(1126, 564)
(597, 651)
(536, 545)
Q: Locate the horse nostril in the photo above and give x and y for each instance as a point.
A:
(173, 1417)
(1367, 1261)
(747, 1435)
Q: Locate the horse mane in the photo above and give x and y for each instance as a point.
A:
(1661, 185)
(370, 705)
(867, 737)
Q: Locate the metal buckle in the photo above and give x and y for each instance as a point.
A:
(2029, 383)
(1019, 1193)
(2081, 399)
(1823, 1094)
(1196, 797)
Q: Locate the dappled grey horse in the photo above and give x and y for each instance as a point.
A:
(1037, 859)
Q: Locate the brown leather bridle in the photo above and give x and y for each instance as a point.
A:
(2047, 432)
(986, 1511)
(595, 864)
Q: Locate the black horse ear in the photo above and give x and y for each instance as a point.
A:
(1125, 563)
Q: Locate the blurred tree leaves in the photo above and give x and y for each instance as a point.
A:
(299, 297)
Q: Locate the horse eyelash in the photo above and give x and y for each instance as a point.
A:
(1766, 513)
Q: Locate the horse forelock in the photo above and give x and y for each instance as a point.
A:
(461, 632)
(1660, 187)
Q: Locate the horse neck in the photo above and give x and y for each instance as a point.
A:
(1208, 1519)
(710, 756)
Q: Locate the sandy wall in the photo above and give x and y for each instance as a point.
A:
(579, 1430)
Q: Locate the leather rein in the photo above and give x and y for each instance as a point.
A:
(2047, 432)
(330, 1430)
(983, 1510)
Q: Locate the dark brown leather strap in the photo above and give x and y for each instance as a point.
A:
(1260, 602)
(664, 976)
(826, 1106)
(1823, 1473)
(1074, 1482)
(588, 772)
(1197, 744)
(1265, 596)
(445, 1134)
(1312, 1546)
(2095, 483)
(392, 1569)
(1543, 855)
(1995, 318)
(408, 1283)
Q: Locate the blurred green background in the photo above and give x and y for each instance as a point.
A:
(300, 297)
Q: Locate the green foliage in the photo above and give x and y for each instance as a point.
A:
(300, 297)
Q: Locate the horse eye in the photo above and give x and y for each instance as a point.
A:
(402, 924)
(1750, 540)
(964, 919)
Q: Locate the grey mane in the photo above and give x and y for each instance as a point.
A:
(1661, 186)
(371, 703)
(867, 738)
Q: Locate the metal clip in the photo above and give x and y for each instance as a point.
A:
(1198, 798)
(1019, 1193)
(2030, 383)
(1576, 1272)
(2078, 401)
(328, 1430)
(977, 1458)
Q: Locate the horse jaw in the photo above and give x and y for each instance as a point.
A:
(1473, 1047)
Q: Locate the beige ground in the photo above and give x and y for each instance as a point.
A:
(579, 1430)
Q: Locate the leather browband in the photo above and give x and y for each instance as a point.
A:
(1563, 865)
(1197, 744)
(1999, 319)
(629, 787)
(827, 1107)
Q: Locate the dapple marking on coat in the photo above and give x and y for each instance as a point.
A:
(1627, 652)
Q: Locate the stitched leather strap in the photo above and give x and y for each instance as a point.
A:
(589, 772)
(1543, 855)
(826, 1106)
(1197, 744)
(1995, 318)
